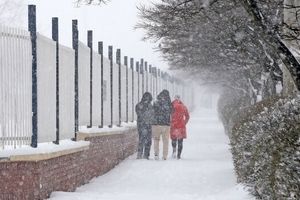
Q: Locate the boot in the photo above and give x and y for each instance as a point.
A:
(139, 156)
(174, 153)
(179, 155)
(180, 146)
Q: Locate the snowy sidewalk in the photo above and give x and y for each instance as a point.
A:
(204, 173)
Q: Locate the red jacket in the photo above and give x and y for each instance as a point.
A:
(179, 118)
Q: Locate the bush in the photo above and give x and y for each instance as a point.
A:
(266, 148)
(229, 106)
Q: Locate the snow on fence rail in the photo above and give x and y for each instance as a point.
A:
(56, 105)
(15, 87)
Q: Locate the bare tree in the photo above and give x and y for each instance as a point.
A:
(89, 2)
(213, 40)
(270, 31)
(238, 42)
(246, 36)
(291, 24)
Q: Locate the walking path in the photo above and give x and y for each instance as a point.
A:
(205, 171)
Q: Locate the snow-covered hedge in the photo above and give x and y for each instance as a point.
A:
(266, 147)
(229, 107)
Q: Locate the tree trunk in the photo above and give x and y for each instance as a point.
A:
(273, 40)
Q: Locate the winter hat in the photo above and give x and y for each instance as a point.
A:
(147, 97)
(165, 95)
(177, 97)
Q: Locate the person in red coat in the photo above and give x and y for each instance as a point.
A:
(179, 118)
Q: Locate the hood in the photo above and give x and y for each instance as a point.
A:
(164, 95)
(177, 101)
(147, 97)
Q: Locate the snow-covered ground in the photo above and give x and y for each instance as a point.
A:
(205, 171)
(43, 148)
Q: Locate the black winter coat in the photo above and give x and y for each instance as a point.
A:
(145, 113)
(162, 111)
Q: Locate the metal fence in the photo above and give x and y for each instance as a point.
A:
(15, 87)
(47, 91)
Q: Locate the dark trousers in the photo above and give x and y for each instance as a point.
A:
(145, 141)
(180, 146)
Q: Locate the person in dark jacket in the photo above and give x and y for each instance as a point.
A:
(161, 126)
(145, 114)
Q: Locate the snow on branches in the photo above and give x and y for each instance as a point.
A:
(89, 2)
(229, 41)
(265, 144)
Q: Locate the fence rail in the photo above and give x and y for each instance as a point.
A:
(71, 83)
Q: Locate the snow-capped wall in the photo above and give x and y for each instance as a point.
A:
(64, 170)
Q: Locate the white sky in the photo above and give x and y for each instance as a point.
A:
(112, 23)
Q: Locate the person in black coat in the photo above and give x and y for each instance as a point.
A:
(161, 126)
(145, 115)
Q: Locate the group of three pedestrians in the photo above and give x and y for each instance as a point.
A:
(163, 119)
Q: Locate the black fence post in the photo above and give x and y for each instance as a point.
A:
(126, 65)
(137, 66)
(75, 47)
(151, 80)
(146, 74)
(118, 59)
(55, 38)
(32, 30)
(100, 51)
(166, 80)
(155, 75)
(132, 87)
(143, 78)
(173, 84)
(162, 79)
(159, 81)
(110, 56)
(90, 45)
(183, 92)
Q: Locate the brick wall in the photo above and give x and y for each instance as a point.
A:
(37, 179)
